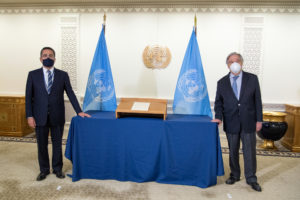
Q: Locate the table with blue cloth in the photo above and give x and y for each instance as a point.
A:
(183, 149)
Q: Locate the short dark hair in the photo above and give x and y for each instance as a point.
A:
(235, 53)
(49, 48)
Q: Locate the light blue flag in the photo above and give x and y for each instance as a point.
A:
(100, 89)
(191, 95)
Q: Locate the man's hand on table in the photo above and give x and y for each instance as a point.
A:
(217, 120)
(82, 114)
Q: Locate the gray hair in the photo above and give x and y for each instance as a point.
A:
(235, 53)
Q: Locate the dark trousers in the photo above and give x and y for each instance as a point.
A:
(42, 133)
(249, 152)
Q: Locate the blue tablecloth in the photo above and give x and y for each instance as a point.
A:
(183, 149)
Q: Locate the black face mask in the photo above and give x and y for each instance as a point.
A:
(48, 62)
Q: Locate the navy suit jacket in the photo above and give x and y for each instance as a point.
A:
(40, 104)
(239, 115)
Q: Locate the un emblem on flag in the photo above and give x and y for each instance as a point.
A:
(191, 87)
(100, 87)
(156, 56)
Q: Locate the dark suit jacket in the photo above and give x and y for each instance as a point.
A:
(40, 104)
(239, 115)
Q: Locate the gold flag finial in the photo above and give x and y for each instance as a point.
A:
(104, 22)
(104, 18)
(195, 24)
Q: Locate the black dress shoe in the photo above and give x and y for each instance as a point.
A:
(42, 176)
(255, 186)
(59, 174)
(231, 180)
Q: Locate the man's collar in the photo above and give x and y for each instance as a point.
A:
(232, 75)
(45, 69)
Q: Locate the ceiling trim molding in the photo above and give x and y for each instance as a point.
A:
(66, 10)
(100, 6)
(150, 3)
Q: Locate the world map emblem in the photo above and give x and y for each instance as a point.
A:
(100, 87)
(156, 56)
(191, 87)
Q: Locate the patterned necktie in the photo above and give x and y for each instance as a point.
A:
(234, 87)
(50, 82)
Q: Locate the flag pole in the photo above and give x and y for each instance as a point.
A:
(195, 24)
(104, 21)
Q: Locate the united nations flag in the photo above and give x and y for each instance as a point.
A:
(100, 89)
(191, 96)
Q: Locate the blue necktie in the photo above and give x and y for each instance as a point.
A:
(234, 87)
(50, 82)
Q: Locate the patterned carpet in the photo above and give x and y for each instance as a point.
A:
(281, 152)
(13, 190)
(278, 173)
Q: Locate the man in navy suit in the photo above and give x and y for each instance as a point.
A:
(45, 110)
(238, 104)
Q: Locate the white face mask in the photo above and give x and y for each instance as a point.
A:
(235, 67)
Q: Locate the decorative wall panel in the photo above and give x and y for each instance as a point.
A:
(252, 50)
(69, 47)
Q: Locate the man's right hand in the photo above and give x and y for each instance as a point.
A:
(31, 122)
(217, 120)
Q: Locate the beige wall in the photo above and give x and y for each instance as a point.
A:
(21, 38)
(23, 34)
(280, 80)
(128, 34)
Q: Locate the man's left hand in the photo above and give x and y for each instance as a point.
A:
(258, 126)
(82, 114)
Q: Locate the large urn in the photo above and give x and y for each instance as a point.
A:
(273, 128)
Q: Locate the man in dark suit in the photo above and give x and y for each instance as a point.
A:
(45, 110)
(238, 104)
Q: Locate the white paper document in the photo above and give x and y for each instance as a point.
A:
(142, 106)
